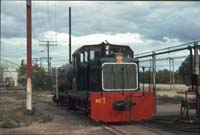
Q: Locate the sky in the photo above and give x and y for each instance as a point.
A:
(144, 26)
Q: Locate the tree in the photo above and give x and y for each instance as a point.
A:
(184, 71)
(41, 80)
(162, 77)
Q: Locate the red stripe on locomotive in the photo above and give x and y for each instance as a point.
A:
(102, 110)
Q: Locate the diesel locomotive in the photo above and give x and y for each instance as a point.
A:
(103, 81)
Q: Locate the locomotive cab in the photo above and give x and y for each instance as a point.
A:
(93, 65)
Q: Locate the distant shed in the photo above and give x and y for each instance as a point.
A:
(9, 69)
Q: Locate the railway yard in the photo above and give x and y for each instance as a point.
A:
(60, 120)
(125, 69)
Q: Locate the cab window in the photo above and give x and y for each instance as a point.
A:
(92, 54)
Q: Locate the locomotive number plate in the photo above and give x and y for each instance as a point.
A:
(101, 100)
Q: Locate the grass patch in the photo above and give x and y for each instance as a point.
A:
(177, 97)
(13, 114)
(9, 124)
(20, 119)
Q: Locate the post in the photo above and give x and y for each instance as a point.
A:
(154, 79)
(170, 73)
(1, 68)
(29, 55)
(48, 55)
(149, 79)
(70, 61)
(173, 73)
(196, 54)
(50, 65)
(40, 62)
(57, 84)
(196, 72)
(0, 35)
(48, 44)
(150, 60)
(191, 65)
(143, 68)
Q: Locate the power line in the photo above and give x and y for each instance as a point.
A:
(55, 21)
(40, 11)
(37, 15)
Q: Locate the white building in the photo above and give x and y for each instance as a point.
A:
(9, 69)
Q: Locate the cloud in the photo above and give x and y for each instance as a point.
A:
(144, 26)
(15, 48)
(152, 19)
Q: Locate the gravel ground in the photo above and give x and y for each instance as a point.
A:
(77, 123)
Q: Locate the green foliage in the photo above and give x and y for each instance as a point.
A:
(41, 80)
(162, 77)
(184, 70)
(182, 76)
(9, 124)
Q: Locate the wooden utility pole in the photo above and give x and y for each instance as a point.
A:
(70, 61)
(29, 55)
(48, 44)
(57, 84)
(0, 34)
(35, 60)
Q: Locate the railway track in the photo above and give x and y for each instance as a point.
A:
(151, 130)
(114, 130)
(154, 127)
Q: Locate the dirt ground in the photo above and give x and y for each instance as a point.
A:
(77, 123)
(177, 90)
(64, 121)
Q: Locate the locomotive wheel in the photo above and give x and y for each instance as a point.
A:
(61, 101)
(71, 104)
(87, 112)
(55, 100)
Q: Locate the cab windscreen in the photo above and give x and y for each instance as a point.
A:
(119, 76)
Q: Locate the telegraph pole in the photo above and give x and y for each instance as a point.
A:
(70, 61)
(48, 44)
(0, 33)
(36, 60)
(1, 73)
(29, 55)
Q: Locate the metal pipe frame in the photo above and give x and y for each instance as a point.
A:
(169, 51)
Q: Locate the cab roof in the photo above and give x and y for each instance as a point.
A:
(100, 46)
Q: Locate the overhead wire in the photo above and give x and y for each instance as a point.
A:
(37, 12)
(55, 22)
(43, 23)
